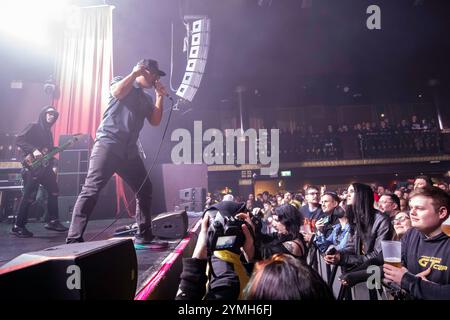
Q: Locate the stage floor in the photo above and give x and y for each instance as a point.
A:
(149, 261)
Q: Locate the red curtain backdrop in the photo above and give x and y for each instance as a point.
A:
(84, 69)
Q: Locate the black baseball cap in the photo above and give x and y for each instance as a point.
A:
(152, 66)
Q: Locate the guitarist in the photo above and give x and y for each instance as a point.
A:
(35, 141)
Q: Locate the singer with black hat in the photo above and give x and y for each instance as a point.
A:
(115, 149)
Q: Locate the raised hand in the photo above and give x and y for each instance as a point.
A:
(159, 88)
(139, 70)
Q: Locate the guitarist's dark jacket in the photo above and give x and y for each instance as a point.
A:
(37, 135)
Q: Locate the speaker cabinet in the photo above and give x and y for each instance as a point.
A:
(174, 178)
(70, 184)
(73, 161)
(196, 194)
(84, 142)
(192, 206)
(82, 271)
(171, 225)
(198, 54)
(105, 208)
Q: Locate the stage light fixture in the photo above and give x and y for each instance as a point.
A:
(31, 20)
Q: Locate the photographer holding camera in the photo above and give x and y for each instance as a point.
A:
(226, 244)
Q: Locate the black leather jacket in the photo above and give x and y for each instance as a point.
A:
(352, 255)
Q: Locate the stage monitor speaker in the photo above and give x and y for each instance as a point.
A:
(97, 270)
(170, 225)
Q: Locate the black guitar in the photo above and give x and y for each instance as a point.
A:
(33, 165)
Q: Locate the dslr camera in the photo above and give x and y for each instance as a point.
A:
(225, 229)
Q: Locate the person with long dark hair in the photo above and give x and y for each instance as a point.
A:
(287, 238)
(370, 228)
(282, 277)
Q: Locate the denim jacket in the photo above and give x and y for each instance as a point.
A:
(338, 238)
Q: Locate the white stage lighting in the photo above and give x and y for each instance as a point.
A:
(31, 20)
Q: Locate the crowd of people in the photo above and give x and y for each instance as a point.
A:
(371, 139)
(384, 138)
(285, 236)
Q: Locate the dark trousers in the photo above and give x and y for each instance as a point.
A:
(47, 178)
(102, 165)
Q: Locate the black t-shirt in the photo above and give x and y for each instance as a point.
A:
(306, 213)
(124, 119)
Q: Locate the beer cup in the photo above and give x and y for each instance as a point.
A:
(392, 252)
(446, 226)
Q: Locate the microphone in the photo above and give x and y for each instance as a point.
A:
(165, 95)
